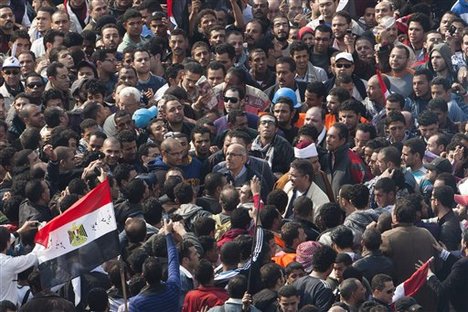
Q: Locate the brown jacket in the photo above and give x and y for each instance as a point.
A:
(405, 245)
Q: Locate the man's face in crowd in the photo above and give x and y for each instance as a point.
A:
(360, 140)
(432, 145)
(339, 26)
(124, 123)
(27, 63)
(327, 8)
(438, 62)
(129, 151)
(398, 60)
(22, 44)
(236, 157)
(429, 130)
(141, 62)
(34, 86)
(322, 41)
(421, 86)
(128, 103)
(95, 143)
(217, 37)
(61, 80)
(267, 127)
(134, 26)
(312, 99)
(334, 139)
(7, 19)
(432, 39)
(364, 50)
(343, 67)
(253, 33)
(369, 17)
(445, 22)
(178, 45)
(207, 21)
(225, 60)
(174, 112)
(260, 9)
(381, 163)
(43, 21)
(128, 77)
(465, 45)
(61, 21)
(12, 76)
(237, 42)
(201, 142)
(159, 27)
(100, 9)
(86, 73)
(288, 304)
(111, 38)
(215, 76)
(349, 118)
(35, 116)
(392, 107)
(407, 157)
(112, 152)
(283, 113)
(201, 54)
(258, 62)
(415, 33)
(284, 75)
(438, 91)
(375, 169)
(382, 9)
(374, 92)
(386, 294)
(232, 101)
(313, 117)
(281, 28)
(189, 81)
(396, 131)
(302, 59)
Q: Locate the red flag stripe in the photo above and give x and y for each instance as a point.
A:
(97, 198)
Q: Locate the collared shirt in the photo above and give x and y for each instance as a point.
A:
(128, 42)
(312, 74)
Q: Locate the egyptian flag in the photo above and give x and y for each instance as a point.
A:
(413, 284)
(382, 84)
(80, 239)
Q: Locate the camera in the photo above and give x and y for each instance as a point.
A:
(452, 30)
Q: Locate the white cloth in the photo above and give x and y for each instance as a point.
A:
(9, 269)
(37, 47)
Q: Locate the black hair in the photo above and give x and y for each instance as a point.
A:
(342, 237)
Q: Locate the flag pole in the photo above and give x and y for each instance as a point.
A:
(124, 284)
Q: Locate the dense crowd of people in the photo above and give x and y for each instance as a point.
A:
(263, 155)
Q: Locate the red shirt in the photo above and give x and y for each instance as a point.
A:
(203, 296)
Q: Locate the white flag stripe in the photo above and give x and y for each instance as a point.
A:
(96, 224)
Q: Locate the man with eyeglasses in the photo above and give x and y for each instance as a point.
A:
(383, 290)
(344, 66)
(12, 80)
(234, 100)
(271, 147)
(34, 87)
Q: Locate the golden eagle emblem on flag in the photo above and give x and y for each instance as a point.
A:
(77, 235)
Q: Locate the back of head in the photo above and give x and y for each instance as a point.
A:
(348, 287)
(204, 272)
(371, 239)
(240, 218)
(404, 211)
(270, 273)
(237, 286)
(342, 237)
(323, 259)
(152, 271)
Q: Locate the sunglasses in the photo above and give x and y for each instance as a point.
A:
(33, 85)
(231, 99)
(11, 72)
(343, 65)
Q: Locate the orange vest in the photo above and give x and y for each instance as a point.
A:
(284, 258)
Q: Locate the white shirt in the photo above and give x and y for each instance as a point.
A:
(9, 269)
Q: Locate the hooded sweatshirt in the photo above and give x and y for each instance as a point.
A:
(446, 54)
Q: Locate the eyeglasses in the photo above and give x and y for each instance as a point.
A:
(347, 66)
(231, 99)
(33, 85)
(11, 72)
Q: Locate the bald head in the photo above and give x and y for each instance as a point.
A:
(112, 151)
(172, 152)
(315, 117)
(236, 157)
